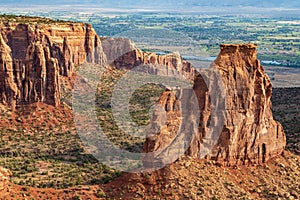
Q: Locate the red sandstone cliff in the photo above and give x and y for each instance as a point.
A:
(33, 56)
(123, 54)
(248, 132)
(236, 124)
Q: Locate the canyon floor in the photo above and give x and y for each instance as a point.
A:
(187, 179)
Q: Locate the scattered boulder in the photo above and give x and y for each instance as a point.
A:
(5, 175)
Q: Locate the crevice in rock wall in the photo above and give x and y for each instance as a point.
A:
(8, 88)
(35, 56)
(264, 152)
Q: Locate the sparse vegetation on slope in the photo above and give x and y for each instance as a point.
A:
(7, 18)
(188, 179)
(140, 104)
(42, 149)
(286, 110)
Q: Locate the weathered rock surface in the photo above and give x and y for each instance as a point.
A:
(8, 87)
(5, 175)
(242, 130)
(33, 56)
(250, 134)
(123, 54)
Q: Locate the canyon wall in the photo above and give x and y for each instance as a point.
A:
(123, 54)
(35, 56)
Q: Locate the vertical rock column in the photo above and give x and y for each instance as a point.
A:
(35, 82)
(248, 134)
(93, 47)
(41, 82)
(68, 65)
(8, 88)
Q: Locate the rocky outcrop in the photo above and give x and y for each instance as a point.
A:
(250, 134)
(123, 54)
(236, 123)
(8, 88)
(5, 175)
(115, 48)
(34, 56)
(41, 76)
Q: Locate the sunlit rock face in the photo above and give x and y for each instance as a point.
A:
(240, 90)
(34, 56)
(122, 53)
(250, 134)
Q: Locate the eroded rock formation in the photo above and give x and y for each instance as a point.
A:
(250, 134)
(242, 130)
(34, 56)
(123, 54)
(8, 87)
(235, 125)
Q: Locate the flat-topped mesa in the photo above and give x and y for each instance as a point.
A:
(36, 55)
(242, 48)
(232, 53)
(248, 134)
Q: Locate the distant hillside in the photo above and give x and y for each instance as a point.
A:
(166, 3)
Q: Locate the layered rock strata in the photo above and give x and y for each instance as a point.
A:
(33, 56)
(123, 54)
(243, 130)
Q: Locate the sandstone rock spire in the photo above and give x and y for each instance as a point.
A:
(248, 132)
